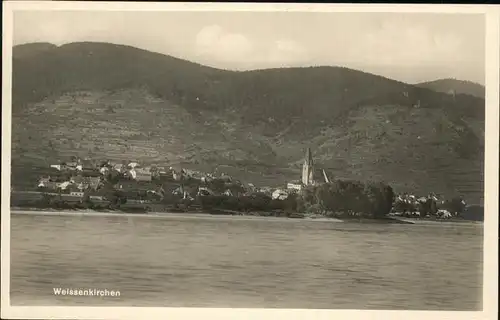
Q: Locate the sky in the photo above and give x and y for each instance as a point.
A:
(409, 47)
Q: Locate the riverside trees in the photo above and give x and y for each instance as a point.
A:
(341, 198)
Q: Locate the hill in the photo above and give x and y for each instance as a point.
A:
(457, 86)
(120, 102)
(29, 50)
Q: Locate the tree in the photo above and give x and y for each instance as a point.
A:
(113, 177)
(433, 208)
(115, 197)
(86, 202)
(427, 207)
(347, 197)
(456, 205)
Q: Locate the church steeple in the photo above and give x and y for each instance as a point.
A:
(308, 168)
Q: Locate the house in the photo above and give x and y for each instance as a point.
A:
(163, 173)
(56, 166)
(294, 185)
(104, 170)
(178, 191)
(118, 167)
(162, 170)
(177, 173)
(130, 174)
(104, 163)
(202, 191)
(143, 175)
(194, 174)
(94, 182)
(249, 189)
(72, 165)
(133, 165)
(63, 185)
(140, 174)
(47, 183)
(161, 192)
(265, 190)
(87, 164)
(153, 170)
(279, 194)
(226, 178)
(81, 183)
(445, 214)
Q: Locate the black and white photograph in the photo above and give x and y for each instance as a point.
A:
(245, 156)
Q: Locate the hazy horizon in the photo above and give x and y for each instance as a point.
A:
(407, 47)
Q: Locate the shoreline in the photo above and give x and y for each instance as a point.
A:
(207, 215)
(187, 215)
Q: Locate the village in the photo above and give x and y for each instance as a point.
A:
(102, 182)
(75, 178)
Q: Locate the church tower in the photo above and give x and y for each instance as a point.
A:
(308, 169)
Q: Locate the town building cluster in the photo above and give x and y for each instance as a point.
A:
(85, 175)
(80, 175)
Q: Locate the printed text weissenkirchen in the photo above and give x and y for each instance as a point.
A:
(86, 292)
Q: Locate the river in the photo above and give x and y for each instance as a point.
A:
(176, 261)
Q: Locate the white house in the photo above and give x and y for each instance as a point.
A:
(133, 165)
(294, 185)
(279, 194)
(202, 191)
(445, 214)
(63, 185)
(103, 170)
(133, 174)
(56, 166)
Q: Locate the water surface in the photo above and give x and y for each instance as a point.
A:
(174, 261)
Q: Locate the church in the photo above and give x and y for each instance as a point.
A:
(308, 174)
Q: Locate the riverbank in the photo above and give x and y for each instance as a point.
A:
(239, 216)
(252, 215)
(187, 215)
(439, 221)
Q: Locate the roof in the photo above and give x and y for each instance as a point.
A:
(48, 184)
(79, 179)
(44, 179)
(94, 182)
(87, 162)
(142, 171)
(176, 168)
